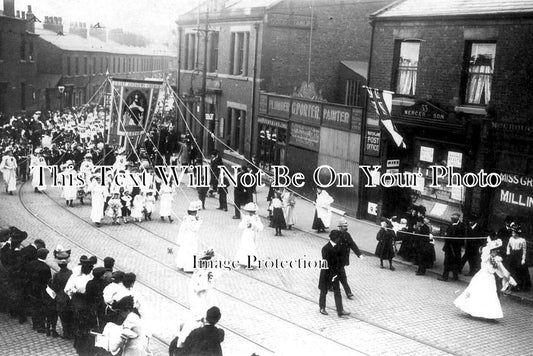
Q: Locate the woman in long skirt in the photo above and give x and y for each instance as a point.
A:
(480, 298)
(99, 194)
(8, 167)
(385, 247)
(250, 224)
(516, 259)
(278, 220)
(322, 217)
(289, 201)
(165, 209)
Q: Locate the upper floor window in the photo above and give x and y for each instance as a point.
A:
(23, 47)
(85, 65)
(239, 53)
(190, 50)
(407, 68)
(77, 66)
(69, 69)
(353, 90)
(479, 72)
(213, 52)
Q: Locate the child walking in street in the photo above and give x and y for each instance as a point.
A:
(149, 202)
(137, 210)
(385, 248)
(278, 220)
(114, 207)
(126, 206)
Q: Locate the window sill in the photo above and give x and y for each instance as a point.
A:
(468, 109)
(22, 61)
(403, 101)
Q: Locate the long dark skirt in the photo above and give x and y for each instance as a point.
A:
(278, 219)
(519, 271)
(317, 223)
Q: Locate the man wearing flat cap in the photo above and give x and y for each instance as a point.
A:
(39, 274)
(329, 277)
(346, 243)
(452, 248)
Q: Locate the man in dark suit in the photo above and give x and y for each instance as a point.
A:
(207, 339)
(330, 277)
(39, 274)
(216, 162)
(452, 248)
(472, 254)
(346, 243)
(239, 193)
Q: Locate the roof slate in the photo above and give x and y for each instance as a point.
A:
(71, 42)
(428, 8)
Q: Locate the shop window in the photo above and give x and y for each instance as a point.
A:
(272, 145)
(234, 129)
(479, 70)
(407, 66)
(239, 53)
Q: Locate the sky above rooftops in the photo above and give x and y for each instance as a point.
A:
(154, 19)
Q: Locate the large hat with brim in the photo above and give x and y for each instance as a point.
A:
(251, 207)
(38, 150)
(88, 261)
(18, 235)
(88, 155)
(516, 227)
(61, 255)
(195, 205)
(494, 244)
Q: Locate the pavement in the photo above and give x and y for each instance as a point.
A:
(272, 311)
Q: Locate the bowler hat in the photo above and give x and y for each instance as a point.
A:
(98, 272)
(42, 253)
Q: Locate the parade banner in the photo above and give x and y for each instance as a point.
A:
(133, 104)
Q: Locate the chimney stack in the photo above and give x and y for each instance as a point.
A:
(9, 8)
(53, 24)
(30, 24)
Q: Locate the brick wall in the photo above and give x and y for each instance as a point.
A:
(342, 32)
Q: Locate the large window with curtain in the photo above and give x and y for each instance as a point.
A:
(407, 67)
(479, 72)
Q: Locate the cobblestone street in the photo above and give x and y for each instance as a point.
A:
(269, 311)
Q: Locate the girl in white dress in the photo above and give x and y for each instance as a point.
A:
(137, 210)
(200, 287)
(250, 224)
(70, 188)
(165, 209)
(188, 237)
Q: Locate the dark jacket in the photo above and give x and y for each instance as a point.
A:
(346, 243)
(333, 256)
(204, 341)
(39, 274)
(453, 246)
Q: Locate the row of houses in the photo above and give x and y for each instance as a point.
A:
(44, 66)
(284, 83)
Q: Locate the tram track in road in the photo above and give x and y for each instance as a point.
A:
(140, 281)
(247, 275)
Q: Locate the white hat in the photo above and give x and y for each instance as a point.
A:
(494, 244)
(38, 150)
(250, 207)
(88, 155)
(195, 205)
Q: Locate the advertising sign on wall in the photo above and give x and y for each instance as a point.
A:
(305, 136)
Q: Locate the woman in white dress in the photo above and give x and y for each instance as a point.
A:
(250, 224)
(165, 208)
(201, 284)
(36, 161)
(480, 298)
(322, 218)
(99, 193)
(8, 167)
(188, 237)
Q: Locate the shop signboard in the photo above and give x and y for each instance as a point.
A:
(272, 122)
(424, 110)
(337, 117)
(263, 103)
(305, 136)
(279, 106)
(357, 119)
(306, 112)
(372, 142)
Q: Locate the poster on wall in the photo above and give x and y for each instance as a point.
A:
(426, 154)
(455, 159)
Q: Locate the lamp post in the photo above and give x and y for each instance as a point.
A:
(61, 90)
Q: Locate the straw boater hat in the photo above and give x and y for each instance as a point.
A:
(251, 207)
(494, 244)
(38, 150)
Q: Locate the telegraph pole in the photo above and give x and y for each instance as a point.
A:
(205, 135)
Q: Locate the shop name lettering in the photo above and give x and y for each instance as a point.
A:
(283, 106)
(438, 174)
(306, 110)
(339, 116)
